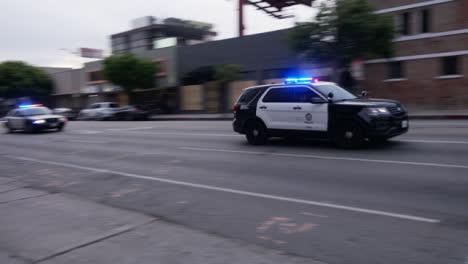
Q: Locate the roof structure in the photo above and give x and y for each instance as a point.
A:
(275, 7)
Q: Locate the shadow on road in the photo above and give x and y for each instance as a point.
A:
(326, 144)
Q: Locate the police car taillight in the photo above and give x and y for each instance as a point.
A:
(235, 108)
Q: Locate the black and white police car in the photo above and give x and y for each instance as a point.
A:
(32, 118)
(307, 107)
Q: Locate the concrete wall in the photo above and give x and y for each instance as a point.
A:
(68, 82)
(169, 57)
(253, 52)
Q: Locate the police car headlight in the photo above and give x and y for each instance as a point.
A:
(38, 122)
(377, 111)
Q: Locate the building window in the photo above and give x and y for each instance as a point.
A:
(405, 23)
(162, 67)
(425, 21)
(395, 70)
(450, 66)
(95, 77)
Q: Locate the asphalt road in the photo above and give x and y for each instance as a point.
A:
(402, 202)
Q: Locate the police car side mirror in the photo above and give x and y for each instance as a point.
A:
(364, 93)
(317, 100)
(330, 95)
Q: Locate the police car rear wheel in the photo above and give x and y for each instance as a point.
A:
(349, 135)
(256, 133)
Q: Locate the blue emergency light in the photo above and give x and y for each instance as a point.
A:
(29, 106)
(300, 80)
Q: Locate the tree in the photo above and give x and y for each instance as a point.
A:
(227, 73)
(344, 30)
(130, 72)
(224, 74)
(17, 79)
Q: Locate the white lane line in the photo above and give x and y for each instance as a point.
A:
(234, 191)
(238, 135)
(87, 141)
(131, 128)
(88, 131)
(187, 134)
(330, 158)
(433, 141)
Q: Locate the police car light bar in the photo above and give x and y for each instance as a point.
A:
(28, 106)
(300, 80)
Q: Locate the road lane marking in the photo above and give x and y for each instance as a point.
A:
(238, 135)
(187, 134)
(330, 158)
(432, 141)
(88, 131)
(131, 128)
(87, 141)
(443, 130)
(235, 191)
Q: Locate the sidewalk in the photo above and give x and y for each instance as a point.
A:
(415, 115)
(40, 227)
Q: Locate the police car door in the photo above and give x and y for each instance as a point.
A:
(310, 110)
(275, 108)
(16, 119)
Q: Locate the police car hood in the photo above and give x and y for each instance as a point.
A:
(37, 117)
(369, 102)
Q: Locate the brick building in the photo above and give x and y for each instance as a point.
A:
(430, 66)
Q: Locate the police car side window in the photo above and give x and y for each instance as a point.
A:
(19, 113)
(279, 95)
(303, 95)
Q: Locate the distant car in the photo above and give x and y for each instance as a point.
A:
(99, 111)
(34, 118)
(66, 112)
(130, 113)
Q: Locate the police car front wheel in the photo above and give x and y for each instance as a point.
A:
(256, 133)
(349, 135)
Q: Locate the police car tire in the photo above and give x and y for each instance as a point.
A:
(30, 128)
(256, 133)
(349, 135)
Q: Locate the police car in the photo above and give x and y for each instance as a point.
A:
(32, 118)
(310, 108)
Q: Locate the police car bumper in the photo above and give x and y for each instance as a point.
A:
(387, 127)
(45, 126)
(237, 125)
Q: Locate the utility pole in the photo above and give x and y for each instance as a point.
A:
(241, 18)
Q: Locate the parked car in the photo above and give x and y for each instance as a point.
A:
(130, 113)
(32, 118)
(99, 111)
(66, 112)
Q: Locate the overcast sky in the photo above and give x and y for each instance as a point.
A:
(35, 31)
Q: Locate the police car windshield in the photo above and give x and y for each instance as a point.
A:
(339, 93)
(34, 111)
